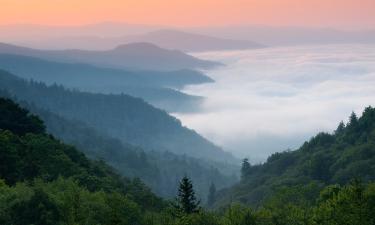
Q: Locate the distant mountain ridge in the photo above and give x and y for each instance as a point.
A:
(78, 74)
(135, 56)
(166, 38)
(101, 35)
(103, 29)
(156, 87)
(191, 42)
(107, 35)
(289, 36)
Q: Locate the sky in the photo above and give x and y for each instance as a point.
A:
(272, 99)
(348, 14)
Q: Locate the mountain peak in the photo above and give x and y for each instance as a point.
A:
(191, 42)
(137, 46)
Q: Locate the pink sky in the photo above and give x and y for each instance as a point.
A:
(351, 14)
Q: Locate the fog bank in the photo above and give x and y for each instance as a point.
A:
(272, 99)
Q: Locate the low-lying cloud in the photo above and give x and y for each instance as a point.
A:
(272, 99)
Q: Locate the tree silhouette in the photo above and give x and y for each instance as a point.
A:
(245, 168)
(353, 121)
(186, 199)
(340, 129)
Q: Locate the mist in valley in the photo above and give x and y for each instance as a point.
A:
(274, 99)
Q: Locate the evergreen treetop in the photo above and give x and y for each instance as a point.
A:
(187, 202)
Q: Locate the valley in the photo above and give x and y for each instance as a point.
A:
(204, 112)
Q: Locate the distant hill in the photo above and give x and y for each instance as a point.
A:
(348, 153)
(107, 35)
(135, 56)
(166, 38)
(153, 86)
(34, 32)
(121, 116)
(191, 42)
(85, 75)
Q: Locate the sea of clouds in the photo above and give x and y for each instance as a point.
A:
(274, 99)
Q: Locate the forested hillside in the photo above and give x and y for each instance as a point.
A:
(160, 171)
(121, 116)
(43, 181)
(326, 159)
(39, 167)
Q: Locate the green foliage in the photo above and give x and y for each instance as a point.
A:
(326, 159)
(64, 201)
(44, 181)
(335, 205)
(239, 215)
(37, 155)
(18, 120)
(352, 204)
(186, 200)
(24, 158)
(39, 209)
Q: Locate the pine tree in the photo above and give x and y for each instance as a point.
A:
(211, 195)
(353, 121)
(352, 134)
(340, 129)
(245, 168)
(186, 199)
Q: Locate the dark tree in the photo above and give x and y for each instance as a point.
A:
(211, 195)
(17, 119)
(352, 133)
(186, 199)
(353, 121)
(340, 129)
(40, 209)
(245, 168)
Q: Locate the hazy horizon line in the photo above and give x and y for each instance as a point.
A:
(234, 25)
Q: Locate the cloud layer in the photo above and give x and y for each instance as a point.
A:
(272, 99)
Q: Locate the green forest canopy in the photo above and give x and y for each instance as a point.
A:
(47, 182)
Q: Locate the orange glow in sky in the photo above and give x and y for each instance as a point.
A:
(321, 13)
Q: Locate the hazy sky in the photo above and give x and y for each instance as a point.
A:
(349, 14)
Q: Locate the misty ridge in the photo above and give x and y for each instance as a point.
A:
(115, 123)
(160, 88)
(108, 35)
(144, 56)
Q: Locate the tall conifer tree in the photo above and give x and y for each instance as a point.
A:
(187, 201)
